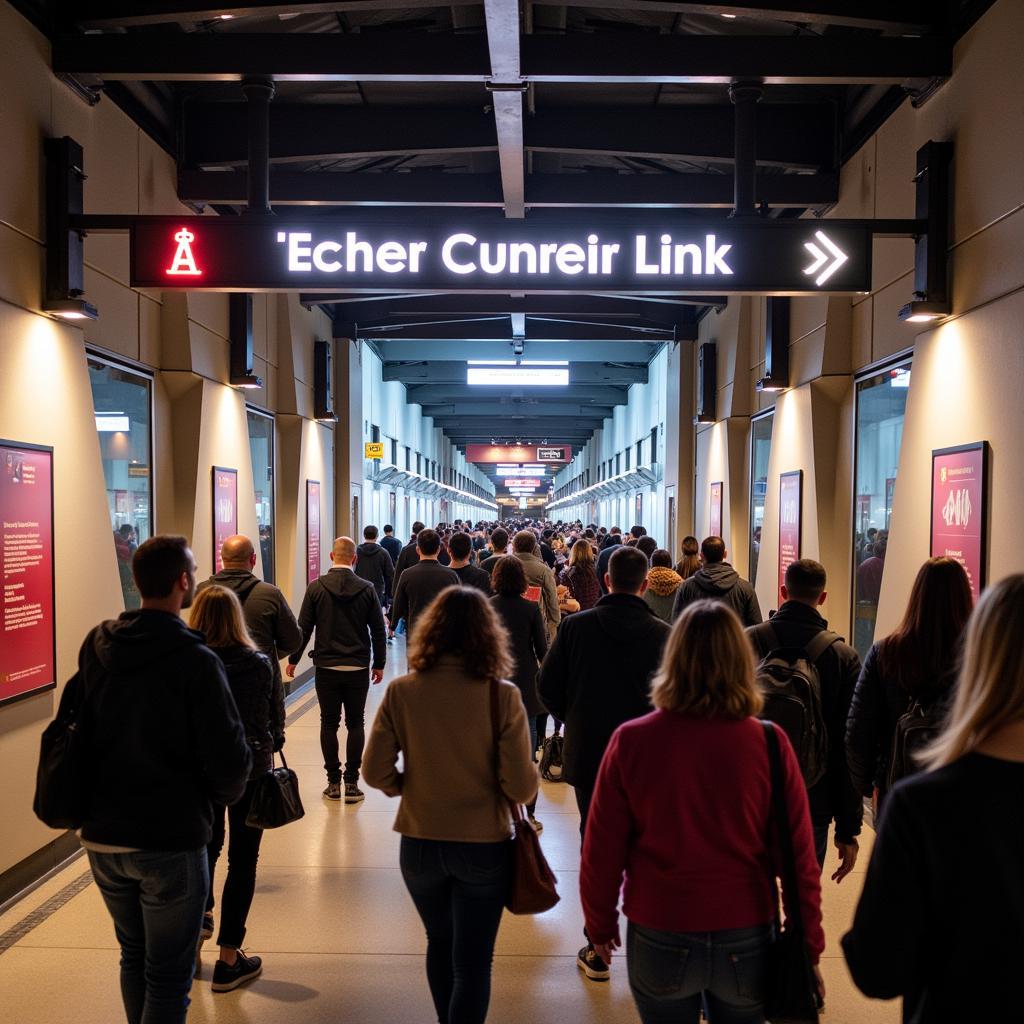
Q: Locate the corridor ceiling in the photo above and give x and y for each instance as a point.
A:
(509, 108)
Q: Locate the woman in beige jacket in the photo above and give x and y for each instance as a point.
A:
(454, 818)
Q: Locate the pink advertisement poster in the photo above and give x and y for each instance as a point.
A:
(225, 510)
(715, 521)
(27, 654)
(790, 508)
(959, 508)
(312, 530)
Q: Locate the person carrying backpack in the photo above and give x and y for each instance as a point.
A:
(900, 699)
(808, 675)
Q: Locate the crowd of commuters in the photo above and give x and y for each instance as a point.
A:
(687, 721)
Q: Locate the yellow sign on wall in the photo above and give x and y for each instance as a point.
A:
(374, 449)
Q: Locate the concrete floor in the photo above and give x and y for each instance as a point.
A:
(340, 939)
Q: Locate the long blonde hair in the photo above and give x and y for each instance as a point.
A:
(217, 614)
(990, 690)
(707, 669)
(581, 555)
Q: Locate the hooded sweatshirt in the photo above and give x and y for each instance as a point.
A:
(162, 730)
(345, 612)
(375, 566)
(662, 584)
(719, 581)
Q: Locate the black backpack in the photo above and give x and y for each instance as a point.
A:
(915, 730)
(791, 684)
(551, 757)
(62, 775)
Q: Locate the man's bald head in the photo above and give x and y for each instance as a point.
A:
(343, 551)
(237, 552)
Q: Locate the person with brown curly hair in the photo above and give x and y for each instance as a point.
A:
(456, 858)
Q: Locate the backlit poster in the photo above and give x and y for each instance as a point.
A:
(715, 519)
(225, 510)
(312, 530)
(790, 509)
(27, 647)
(959, 508)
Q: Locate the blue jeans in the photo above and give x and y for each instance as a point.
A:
(459, 890)
(156, 899)
(674, 974)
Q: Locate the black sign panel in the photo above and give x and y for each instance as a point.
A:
(667, 255)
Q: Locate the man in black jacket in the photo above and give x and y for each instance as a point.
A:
(346, 614)
(374, 565)
(794, 626)
(422, 582)
(268, 617)
(391, 544)
(609, 546)
(460, 547)
(717, 580)
(409, 555)
(596, 676)
(164, 739)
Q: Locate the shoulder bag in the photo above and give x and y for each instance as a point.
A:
(61, 777)
(791, 991)
(275, 798)
(534, 887)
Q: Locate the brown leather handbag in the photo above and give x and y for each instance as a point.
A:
(534, 886)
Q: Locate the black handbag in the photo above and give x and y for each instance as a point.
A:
(61, 795)
(275, 798)
(791, 993)
(534, 888)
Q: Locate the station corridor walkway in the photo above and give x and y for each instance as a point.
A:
(340, 939)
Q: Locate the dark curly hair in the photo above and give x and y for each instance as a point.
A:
(508, 576)
(460, 621)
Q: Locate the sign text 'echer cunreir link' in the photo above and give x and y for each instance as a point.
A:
(654, 255)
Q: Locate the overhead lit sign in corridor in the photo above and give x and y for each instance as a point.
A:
(670, 255)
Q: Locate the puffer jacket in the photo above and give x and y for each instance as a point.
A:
(251, 680)
(660, 595)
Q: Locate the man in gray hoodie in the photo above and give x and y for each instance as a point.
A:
(717, 580)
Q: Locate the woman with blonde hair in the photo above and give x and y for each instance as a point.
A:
(683, 810)
(941, 918)
(580, 576)
(454, 784)
(217, 614)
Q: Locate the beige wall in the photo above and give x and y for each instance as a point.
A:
(182, 340)
(967, 375)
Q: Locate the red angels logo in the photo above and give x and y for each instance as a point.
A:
(184, 263)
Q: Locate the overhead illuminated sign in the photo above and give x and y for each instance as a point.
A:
(517, 454)
(528, 376)
(522, 470)
(646, 253)
(521, 482)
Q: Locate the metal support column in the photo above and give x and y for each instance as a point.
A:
(259, 92)
(745, 97)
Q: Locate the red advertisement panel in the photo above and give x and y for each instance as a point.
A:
(790, 509)
(225, 510)
(959, 508)
(715, 520)
(312, 530)
(515, 454)
(27, 652)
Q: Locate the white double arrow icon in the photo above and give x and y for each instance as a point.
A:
(820, 258)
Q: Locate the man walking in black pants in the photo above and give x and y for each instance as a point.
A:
(346, 614)
(596, 676)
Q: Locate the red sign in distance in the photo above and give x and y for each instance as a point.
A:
(516, 481)
(790, 511)
(225, 510)
(27, 657)
(715, 519)
(514, 454)
(958, 509)
(312, 530)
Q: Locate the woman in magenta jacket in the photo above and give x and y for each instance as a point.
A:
(682, 809)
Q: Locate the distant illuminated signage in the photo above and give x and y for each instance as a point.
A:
(111, 422)
(518, 454)
(527, 376)
(640, 252)
(522, 482)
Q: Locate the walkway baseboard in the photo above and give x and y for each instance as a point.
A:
(28, 874)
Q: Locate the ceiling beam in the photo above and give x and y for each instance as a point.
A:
(436, 371)
(586, 189)
(595, 352)
(793, 135)
(432, 394)
(499, 409)
(666, 310)
(575, 425)
(501, 328)
(507, 88)
(580, 58)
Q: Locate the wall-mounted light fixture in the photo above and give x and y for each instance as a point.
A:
(323, 400)
(240, 341)
(776, 345)
(707, 383)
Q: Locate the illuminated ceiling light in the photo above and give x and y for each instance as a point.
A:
(71, 309)
(730, 17)
(519, 376)
(490, 362)
(225, 17)
(543, 362)
(112, 422)
(922, 311)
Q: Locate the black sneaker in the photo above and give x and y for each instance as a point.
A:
(333, 791)
(592, 965)
(229, 976)
(353, 794)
